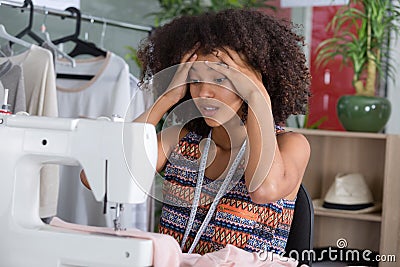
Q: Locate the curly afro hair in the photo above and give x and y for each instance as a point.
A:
(269, 44)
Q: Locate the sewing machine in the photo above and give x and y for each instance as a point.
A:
(119, 161)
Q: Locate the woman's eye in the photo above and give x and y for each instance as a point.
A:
(194, 81)
(220, 80)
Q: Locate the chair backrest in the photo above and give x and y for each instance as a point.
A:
(301, 231)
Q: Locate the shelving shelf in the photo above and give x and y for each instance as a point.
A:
(373, 217)
(377, 157)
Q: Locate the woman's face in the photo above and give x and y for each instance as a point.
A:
(212, 92)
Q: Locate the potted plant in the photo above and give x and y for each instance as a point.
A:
(361, 36)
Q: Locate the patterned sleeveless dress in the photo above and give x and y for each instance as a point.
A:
(237, 220)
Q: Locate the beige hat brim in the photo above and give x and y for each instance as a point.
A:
(317, 203)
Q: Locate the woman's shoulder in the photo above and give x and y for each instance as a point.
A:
(280, 131)
(293, 141)
(292, 136)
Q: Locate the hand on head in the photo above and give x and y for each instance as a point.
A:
(177, 88)
(243, 76)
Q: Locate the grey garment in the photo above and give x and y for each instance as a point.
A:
(12, 78)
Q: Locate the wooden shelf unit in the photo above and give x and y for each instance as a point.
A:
(377, 157)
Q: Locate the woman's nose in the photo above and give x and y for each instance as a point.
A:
(205, 90)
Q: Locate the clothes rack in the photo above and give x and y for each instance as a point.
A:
(84, 17)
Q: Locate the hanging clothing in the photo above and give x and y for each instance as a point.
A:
(39, 79)
(12, 78)
(141, 99)
(108, 94)
(41, 100)
(237, 220)
(141, 215)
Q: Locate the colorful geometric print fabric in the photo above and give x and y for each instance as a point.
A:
(237, 220)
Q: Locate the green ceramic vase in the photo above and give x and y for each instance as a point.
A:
(363, 113)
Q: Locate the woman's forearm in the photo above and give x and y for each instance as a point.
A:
(265, 168)
(154, 114)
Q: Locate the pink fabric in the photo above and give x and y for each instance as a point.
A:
(230, 256)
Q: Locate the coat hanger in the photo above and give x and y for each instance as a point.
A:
(28, 30)
(5, 35)
(50, 44)
(2, 54)
(81, 47)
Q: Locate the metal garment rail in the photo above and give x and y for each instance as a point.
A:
(84, 17)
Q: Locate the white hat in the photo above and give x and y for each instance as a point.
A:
(348, 193)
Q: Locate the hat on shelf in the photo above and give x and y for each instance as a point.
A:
(348, 193)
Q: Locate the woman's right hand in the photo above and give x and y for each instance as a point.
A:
(175, 91)
(177, 88)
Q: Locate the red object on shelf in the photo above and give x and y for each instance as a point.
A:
(330, 82)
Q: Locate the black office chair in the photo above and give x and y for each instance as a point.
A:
(300, 240)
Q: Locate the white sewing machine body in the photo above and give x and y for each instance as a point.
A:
(119, 160)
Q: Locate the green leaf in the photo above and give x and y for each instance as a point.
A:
(318, 123)
(361, 31)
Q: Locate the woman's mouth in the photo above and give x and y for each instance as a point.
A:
(209, 111)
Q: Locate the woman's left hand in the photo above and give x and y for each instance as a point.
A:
(243, 76)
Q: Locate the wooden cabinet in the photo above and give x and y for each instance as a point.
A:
(377, 157)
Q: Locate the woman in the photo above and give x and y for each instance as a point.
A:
(231, 173)
(243, 71)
